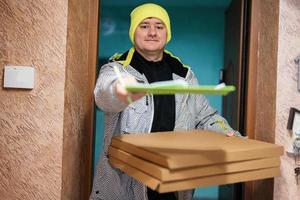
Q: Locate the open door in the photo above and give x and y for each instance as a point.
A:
(234, 59)
(234, 74)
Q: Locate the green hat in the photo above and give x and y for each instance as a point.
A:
(145, 11)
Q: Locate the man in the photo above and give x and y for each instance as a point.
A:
(127, 112)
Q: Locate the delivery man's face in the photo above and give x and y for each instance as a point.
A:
(150, 35)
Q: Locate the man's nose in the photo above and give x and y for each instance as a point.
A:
(152, 31)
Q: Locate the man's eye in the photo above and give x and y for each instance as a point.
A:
(143, 26)
(159, 27)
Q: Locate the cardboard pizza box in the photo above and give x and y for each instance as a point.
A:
(164, 174)
(171, 186)
(186, 149)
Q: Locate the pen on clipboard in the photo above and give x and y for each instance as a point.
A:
(116, 69)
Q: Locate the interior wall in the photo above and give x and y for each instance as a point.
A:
(79, 100)
(45, 133)
(287, 94)
(33, 32)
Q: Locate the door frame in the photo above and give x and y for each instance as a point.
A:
(260, 116)
(93, 26)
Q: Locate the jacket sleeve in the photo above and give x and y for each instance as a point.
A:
(208, 118)
(104, 90)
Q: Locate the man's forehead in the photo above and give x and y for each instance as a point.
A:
(153, 20)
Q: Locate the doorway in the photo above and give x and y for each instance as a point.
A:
(198, 38)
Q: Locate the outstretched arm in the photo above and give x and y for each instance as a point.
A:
(110, 94)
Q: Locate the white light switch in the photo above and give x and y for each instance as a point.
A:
(19, 77)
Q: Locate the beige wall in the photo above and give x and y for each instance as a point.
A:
(79, 99)
(287, 94)
(31, 121)
(44, 132)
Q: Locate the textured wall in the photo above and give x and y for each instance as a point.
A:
(287, 94)
(45, 133)
(76, 146)
(32, 32)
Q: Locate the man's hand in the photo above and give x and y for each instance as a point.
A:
(123, 95)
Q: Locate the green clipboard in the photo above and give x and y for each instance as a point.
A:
(192, 89)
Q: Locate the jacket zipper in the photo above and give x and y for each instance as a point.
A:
(152, 114)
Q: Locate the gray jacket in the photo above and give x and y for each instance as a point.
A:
(192, 112)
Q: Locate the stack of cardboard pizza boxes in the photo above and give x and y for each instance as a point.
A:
(181, 160)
